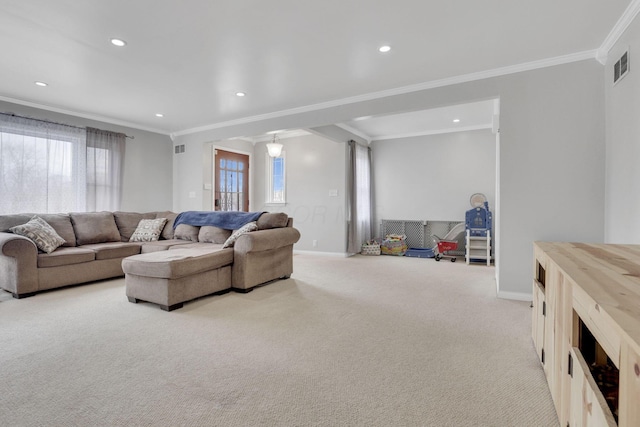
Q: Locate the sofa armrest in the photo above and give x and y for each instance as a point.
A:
(18, 264)
(263, 240)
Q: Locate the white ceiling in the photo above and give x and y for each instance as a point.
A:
(471, 116)
(188, 59)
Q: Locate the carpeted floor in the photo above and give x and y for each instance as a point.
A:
(360, 341)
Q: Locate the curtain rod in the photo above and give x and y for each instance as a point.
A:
(55, 123)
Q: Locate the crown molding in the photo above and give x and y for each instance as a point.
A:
(84, 115)
(434, 132)
(528, 66)
(623, 23)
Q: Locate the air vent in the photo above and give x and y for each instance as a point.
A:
(621, 67)
(178, 149)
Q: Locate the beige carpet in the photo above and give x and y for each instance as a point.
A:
(361, 341)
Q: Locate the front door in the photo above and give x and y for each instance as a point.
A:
(232, 181)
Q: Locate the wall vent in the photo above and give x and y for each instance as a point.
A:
(178, 149)
(621, 67)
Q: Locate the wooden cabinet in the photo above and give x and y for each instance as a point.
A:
(586, 330)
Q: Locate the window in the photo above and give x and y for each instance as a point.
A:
(44, 168)
(276, 179)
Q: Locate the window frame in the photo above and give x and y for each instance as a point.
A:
(270, 193)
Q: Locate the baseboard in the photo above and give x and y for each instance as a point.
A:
(331, 254)
(516, 296)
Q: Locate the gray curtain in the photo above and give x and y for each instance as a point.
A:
(105, 159)
(359, 197)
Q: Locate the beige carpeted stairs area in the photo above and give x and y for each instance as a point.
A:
(359, 341)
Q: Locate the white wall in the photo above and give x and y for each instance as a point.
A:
(314, 166)
(148, 169)
(622, 215)
(432, 177)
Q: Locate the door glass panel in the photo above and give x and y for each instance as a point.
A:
(231, 192)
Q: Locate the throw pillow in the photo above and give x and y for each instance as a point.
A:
(252, 226)
(41, 233)
(148, 230)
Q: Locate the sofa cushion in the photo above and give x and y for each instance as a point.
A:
(127, 222)
(148, 230)
(272, 220)
(167, 231)
(186, 232)
(177, 263)
(199, 245)
(66, 256)
(94, 227)
(162, 245)
(41, 233)
(113, 250)
(8, 221)
(62, 224)
(212, 234)
(247, 228)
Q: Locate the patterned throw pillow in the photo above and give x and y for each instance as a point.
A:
(41, 233)
(252, 226)
(148, 230)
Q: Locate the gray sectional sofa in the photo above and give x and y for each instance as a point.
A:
(96, 246)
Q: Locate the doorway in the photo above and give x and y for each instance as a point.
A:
(232, 181)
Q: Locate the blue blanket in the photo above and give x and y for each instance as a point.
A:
(229, 220)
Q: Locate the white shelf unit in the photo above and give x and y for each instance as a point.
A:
(478, 248)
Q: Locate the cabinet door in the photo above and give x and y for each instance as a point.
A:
(563, 343)
(629, 386)
(552, 288)
(588, 406)
(537, 317)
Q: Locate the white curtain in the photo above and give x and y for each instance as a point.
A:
(359, 199)
(42, 166)
(105, 158)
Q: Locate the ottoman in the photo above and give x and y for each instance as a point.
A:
(170, 278)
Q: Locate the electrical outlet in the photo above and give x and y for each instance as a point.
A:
(315, 243)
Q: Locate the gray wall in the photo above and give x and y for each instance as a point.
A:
(148, 177)
(552, 147)
(432, 177)
(622, 224)
(314, 166)
(193, 169)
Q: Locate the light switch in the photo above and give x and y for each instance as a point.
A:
(208, 186)
(192, 194)
(333, 193)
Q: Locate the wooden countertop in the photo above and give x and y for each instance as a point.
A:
(609, 274)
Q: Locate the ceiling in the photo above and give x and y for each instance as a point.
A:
(187, 60)
(454, 118)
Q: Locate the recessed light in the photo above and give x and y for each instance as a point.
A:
(384, 48)
(159, 115)
(118, 42)
(42, 84)
(241, 94)
(456, 120)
